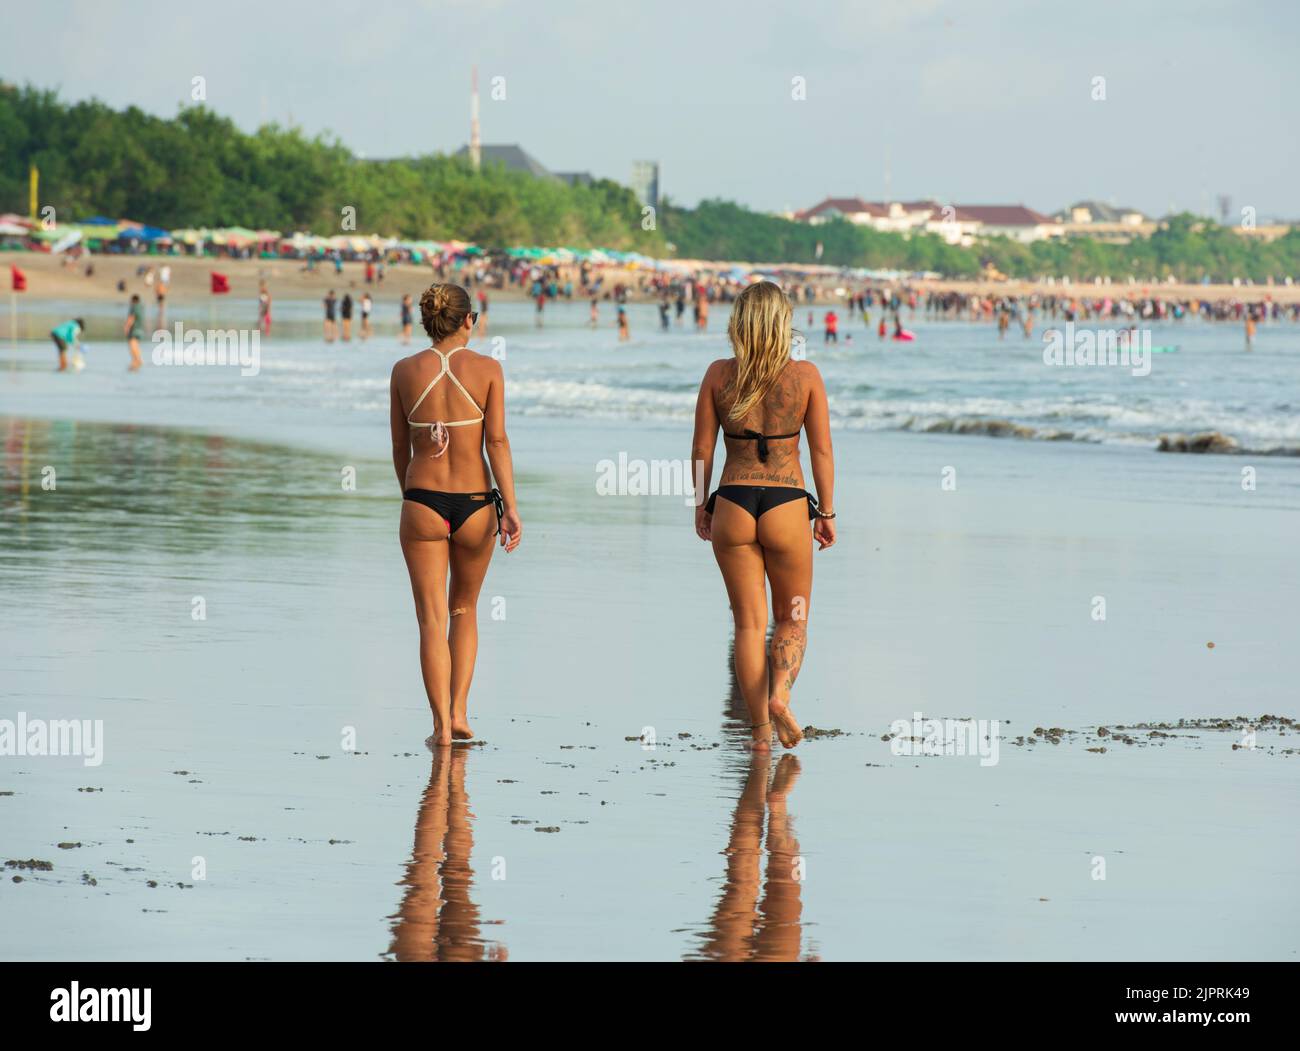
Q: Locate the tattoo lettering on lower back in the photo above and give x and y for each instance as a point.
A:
(766, 478)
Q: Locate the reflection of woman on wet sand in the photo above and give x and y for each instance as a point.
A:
(436, 920)
(758, 519)
(743, 927)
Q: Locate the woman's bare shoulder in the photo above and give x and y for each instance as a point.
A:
(807, 372)
(718, 370)
(401, 367)
(483, 364)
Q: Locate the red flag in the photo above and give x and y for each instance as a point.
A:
(19, 279)
(220, 284)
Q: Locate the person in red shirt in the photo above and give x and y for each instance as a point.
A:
(832, 327)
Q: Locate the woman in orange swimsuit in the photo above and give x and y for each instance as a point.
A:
(448, 408)
(758, 519)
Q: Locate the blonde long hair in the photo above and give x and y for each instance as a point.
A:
(760, 334)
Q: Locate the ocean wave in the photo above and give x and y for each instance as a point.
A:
(991, 428)
(569, 398)
(1216, 443)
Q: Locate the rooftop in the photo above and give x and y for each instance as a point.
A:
(513, 157)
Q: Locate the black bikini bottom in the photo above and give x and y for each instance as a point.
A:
(759, 499)
(456, 508)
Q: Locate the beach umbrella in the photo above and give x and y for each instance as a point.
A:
(65, 242)
(234, 235)
(143, 233)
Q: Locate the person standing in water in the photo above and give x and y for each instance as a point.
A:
(345, 313)
(757, 520)
(367, 304)
(134, 329)
(447, 409)
(623, 334)
(482, 312)
(264, 309)
(331, 328)
(406, 319)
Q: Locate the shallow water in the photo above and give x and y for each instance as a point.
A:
(955, 376)
(566, 835)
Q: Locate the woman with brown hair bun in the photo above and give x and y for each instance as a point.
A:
(447, 408)
(758, 519)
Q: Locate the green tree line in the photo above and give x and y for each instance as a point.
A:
(1186, 247)
(199, 169)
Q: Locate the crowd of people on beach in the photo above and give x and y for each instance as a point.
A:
(674, 294)
(1023, 311)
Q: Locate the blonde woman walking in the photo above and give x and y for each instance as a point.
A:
(757, 520)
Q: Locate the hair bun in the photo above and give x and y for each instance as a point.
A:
(443, 309)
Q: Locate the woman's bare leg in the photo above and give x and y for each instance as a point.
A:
(735, 546)
(471, 551)
(423, 533)
(787, 550)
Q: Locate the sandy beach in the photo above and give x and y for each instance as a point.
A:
(265, 794)
(289, 279)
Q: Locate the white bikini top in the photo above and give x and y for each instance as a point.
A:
(438, 429)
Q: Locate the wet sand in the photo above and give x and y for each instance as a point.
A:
(562, 835)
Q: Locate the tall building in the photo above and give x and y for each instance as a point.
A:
(645, 182)
(475, 142)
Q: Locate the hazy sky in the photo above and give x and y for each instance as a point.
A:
(973, 102)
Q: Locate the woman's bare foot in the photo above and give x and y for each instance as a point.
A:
(441, 736)
(460, 730)
(787, 727)
(760, 738)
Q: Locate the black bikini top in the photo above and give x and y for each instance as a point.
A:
(762, 440)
